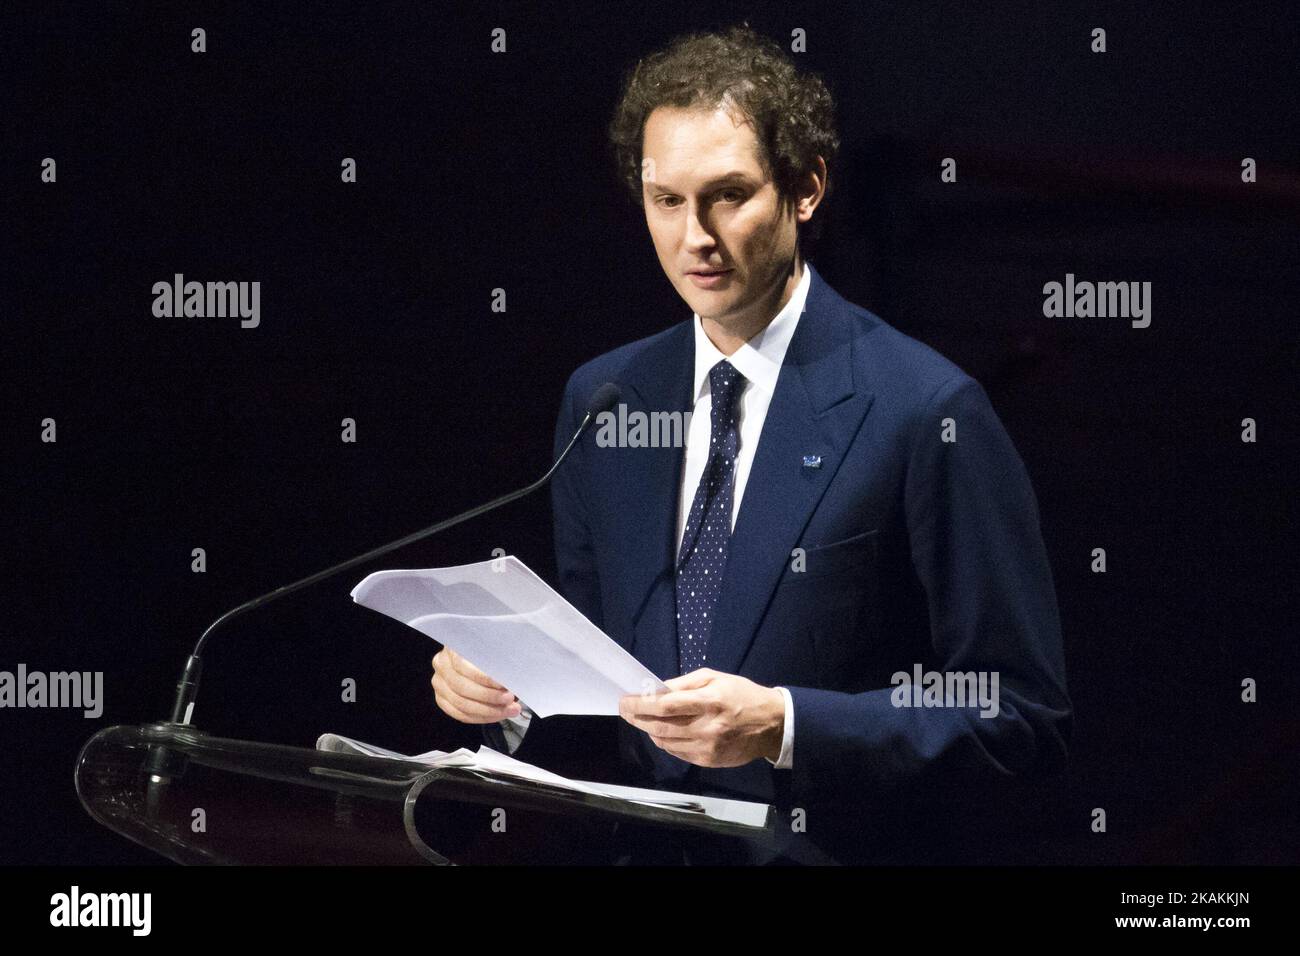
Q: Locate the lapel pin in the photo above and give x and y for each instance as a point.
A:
(812, 461)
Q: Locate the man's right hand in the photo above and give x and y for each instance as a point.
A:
(467, 694)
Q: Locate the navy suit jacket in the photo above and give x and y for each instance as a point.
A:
(917, 551)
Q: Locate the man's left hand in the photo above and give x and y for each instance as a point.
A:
(711, 719)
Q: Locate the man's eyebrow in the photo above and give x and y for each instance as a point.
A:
(732, 176)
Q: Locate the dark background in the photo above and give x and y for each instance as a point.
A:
(478, 171)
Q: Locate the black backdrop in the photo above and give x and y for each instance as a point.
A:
(479, 171)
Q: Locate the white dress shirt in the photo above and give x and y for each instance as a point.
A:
(759, 360)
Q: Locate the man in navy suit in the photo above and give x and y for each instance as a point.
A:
(847, 508)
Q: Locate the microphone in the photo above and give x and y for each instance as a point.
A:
(164, 764)
(187, 688)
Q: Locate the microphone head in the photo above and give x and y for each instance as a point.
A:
(603, 399)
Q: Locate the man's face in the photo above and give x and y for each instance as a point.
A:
(711, 208)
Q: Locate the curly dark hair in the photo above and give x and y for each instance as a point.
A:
(792, 113)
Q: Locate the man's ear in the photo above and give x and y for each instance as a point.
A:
(811, 191)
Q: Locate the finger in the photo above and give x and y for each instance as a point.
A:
(487, 712)
(646, 705)
(475, 699)
(472, 712)
(675, 703)
(463, 666)
(696, 678)
(682, 730)
(687, 703)
(632, 709)
(464, 687)
(451, 710)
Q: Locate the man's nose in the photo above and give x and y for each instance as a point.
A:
(697, 233)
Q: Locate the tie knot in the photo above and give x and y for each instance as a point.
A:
(724, 384)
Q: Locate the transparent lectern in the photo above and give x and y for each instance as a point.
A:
(198, 799)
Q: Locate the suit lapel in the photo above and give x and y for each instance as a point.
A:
(816, 409)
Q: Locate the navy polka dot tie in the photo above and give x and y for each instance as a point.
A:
(703, 554)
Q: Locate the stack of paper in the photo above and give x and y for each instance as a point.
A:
(511, 624)
(494, 763)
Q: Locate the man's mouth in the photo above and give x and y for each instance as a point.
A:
(709, 279)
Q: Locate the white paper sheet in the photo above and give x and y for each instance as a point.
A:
(513, 626)
(495, 763)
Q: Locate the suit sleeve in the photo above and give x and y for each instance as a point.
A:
(973, 530)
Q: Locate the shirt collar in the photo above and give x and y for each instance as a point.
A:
(759, 359)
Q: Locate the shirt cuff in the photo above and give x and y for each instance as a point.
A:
(785, 759)
(514, 728)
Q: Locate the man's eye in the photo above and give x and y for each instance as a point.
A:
(726, 195)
